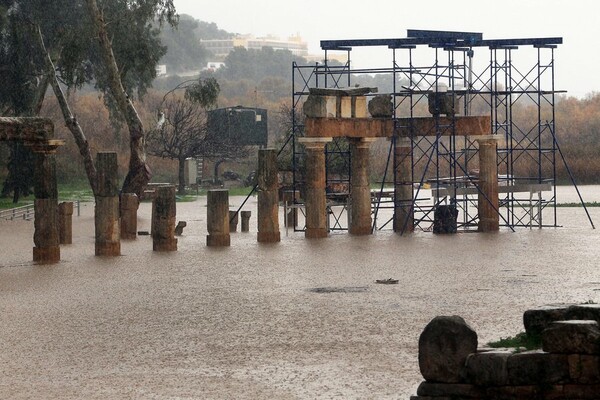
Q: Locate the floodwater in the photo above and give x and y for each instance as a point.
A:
(296, 320)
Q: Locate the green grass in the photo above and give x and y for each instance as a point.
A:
(6, 202)
(519, 342)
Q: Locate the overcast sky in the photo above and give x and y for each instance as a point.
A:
(577, 60)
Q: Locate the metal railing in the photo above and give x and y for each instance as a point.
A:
(27, 212)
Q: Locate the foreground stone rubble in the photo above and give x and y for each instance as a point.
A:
(567, 366)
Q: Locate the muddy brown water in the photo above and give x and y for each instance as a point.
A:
(295, 320)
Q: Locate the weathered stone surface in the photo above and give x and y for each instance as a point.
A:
(164, 213)
(360, 191)
(381, 106)
(233, 221)
(65, 222)
(584, 369)
(582, 392)
(488, 368)
(583, 312)
(129, 207)
(443, 103)
(537, 367)
(108, 174)
(575, 336)
(179, 228)
(449, 389)
(536, 320)
(315, 200)
(318, 106)
(246, 220)
(488, 202)
(107, 228)
(218, 218)
(444, 346)
(268, 196)
(525, 392)
(340, 92)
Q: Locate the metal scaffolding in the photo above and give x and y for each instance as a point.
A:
(518, 75)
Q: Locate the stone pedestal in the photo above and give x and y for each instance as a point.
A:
(246, 220)
(129, 207)
(218, 218)
(360, 191)
(488, 203)
(315, 199)
(65, 222)
(403, 190)
(163, 216)
(106, 212)
(46, 237)
(233, 221)
(268, 197)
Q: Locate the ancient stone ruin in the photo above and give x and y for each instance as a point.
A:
(567, 366)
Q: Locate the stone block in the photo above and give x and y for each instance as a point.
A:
(487, 368)
(525, 392)
(317, 106)
(443, 103)
(449, 389)
(574, 336)
(583, 312)
(536, 320)
(584, 369)
(582, 392)
(381, 106)
(444, 346)
(537, 367)
(233, 221)
(246, 220)
(179, 228)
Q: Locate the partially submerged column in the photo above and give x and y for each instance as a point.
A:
(315, 199)
(218, 218)
(246, 220)
(268, 197)
(65, 222)
(233, 221)
(403, 190)
(488, 203)
(106, 213)
(163, 217)
(46, 237)
(129, 208)
(360, 191)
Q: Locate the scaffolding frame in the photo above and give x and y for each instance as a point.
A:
(527, 155)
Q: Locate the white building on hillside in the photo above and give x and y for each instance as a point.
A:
(221, 47)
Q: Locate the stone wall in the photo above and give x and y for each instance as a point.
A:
(567, 366)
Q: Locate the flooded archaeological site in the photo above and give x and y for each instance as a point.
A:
(301, 319)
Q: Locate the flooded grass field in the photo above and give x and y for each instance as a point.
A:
(296, 320)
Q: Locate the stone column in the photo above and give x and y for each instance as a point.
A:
(488, 203)
(360, 191)
(315, 198)
(163, 216)
(129, 207)
(233, 221)
(65, 222)
(106, 213)
(246, 220)
(403, 191)
(46, 236)
(218, 218)
(268, 197)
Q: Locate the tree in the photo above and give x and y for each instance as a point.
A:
(182, 131)
(109, 42)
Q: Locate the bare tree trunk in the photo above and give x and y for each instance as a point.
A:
(70, 120)
(139, 172)
(181, 175)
